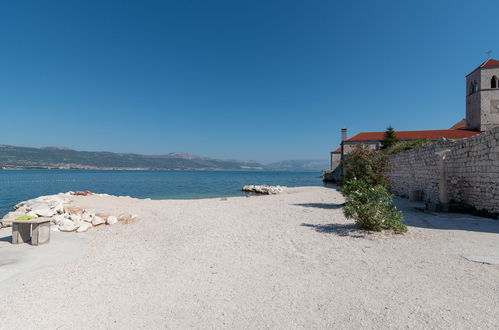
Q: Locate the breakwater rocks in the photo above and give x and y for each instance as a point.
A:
(264, 189)
(63, 215)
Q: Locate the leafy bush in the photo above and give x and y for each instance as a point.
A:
(26, 217)
(368, 165)
(403, 146)
(371, 207)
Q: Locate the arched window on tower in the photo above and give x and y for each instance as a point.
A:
(494, 82)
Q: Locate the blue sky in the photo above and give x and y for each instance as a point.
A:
(261, 80)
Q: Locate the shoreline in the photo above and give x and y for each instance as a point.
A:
(288, 260)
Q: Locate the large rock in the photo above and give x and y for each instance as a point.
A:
(75, 217)
(264, 189)
(7, 219)
(58, 219)
(67, 225)
(83, 227)
(87, 217)
(111, 220)
(44, 212)
(96, 220)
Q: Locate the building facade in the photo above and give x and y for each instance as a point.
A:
(482, 114)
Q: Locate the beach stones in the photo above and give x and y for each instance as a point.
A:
(67, 225)
(111, 220)
(96, 220)
(264, 189)
(83, 227)
(64, 216)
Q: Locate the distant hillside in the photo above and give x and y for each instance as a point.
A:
(65, 158)
(299, 165)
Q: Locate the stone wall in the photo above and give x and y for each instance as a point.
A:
(471, 167)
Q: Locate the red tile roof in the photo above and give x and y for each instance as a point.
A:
(459, 125)
(414, 135)
(490, 63)
(337, 150)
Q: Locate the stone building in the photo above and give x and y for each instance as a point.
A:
(482, 114)
(482, 97)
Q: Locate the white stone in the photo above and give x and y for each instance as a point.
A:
(86, 217)
(98, 221)
(75, 217)
(57, 219)
(44, 212)
(111, 220)
(67, 225)
(264, 189)
(84, 227)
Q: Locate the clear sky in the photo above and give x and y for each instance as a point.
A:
(262, 80)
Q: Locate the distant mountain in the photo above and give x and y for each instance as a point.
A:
(66, 158)
(299, 165)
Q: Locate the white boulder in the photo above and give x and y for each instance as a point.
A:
(83, 227)
(44, 212)
(75, 217)
(264, 189)
(87, 217)
(96, 220)
(67, 225)
(111, 220)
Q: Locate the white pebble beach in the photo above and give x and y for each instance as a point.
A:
(287, 261)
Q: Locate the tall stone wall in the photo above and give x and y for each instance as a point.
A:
(471, 168)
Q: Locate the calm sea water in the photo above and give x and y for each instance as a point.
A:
(20, 185)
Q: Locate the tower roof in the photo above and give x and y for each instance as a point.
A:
(490, 63)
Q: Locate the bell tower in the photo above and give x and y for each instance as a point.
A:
(482, 97)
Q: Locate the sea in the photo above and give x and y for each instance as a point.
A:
(20, 185)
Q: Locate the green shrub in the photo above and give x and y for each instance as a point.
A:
(26, 217)
(371, 207)
(403, 146)
(368, 165)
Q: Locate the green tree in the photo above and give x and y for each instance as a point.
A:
(389, 138)
(368, 165)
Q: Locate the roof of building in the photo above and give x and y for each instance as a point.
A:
(490, 63)
(459, 125)
(337, 150)
(414, 135)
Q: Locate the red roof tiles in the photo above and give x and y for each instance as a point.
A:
(459, 125)
(337, 150)
(414, 135)
(490, 63)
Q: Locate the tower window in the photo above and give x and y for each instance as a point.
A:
(473, 87)
(494, 82)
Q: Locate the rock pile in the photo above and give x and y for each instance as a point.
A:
(63, 215)
(264, 189)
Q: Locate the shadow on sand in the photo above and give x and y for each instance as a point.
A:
(322, 205)
(7, 239)
(337, 229)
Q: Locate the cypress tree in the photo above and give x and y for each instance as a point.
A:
(389, 138)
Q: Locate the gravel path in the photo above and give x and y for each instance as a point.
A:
(285, 261)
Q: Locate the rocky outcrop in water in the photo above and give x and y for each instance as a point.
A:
(264, 189)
